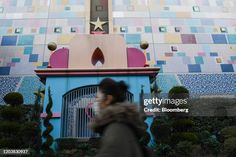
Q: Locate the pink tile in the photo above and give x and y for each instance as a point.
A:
(188, 39)
(232, 61)
(11, 64)
(201, 54)
(168, 54)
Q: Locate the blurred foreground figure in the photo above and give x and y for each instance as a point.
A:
(117, 121)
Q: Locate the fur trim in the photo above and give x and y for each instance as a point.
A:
(121, 113)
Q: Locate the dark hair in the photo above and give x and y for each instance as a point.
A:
(117, 89)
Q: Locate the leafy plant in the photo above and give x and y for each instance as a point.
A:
(230, 147)
(229, 132)
(184, 149)
(47, 150)
(161, 130)
(164, 150)
(12, 113)
(178, 92)
(184, 136)
(13, 98)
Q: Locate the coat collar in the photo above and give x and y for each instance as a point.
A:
(121, 113)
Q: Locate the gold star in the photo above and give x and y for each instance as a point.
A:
(98, 24)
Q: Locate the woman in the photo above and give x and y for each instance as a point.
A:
(117, 121)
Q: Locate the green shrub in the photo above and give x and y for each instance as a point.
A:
(160, 130)
(9, 143)
(66, 143)
(11, 113)
(46, 146)
(183, 124)
(9, 127)
(73, 147)
(230, 147)
(13, 98)
(164, 150)
(184, 149)
(229, 132)
(184, 136)
(203, 135)
(30, 129)
(178, 92)
(211, 145)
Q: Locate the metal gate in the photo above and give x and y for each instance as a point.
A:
(77, 111)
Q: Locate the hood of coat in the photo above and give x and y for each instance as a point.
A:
(121, 113)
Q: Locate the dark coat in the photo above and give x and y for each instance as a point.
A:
(121, 127)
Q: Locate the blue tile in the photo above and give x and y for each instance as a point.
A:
(33, 58)
(15, 60)
(233, 57)
(194, 68)
(161, 62)
(133, 38)
(181, 54)
(199, 60)
(227, 68)
(213, 54)
(5, 70)
(9, 40)
(231, 38)
(28, 50)
(148, 56)
(43, 30)
(219, 38)
(194, 29)
(148, 29)
(26, 40)
(45, 63)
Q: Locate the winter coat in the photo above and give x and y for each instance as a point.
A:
(120, 126)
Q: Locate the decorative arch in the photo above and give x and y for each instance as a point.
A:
(59, 58)
(135, 57)
(97, 57)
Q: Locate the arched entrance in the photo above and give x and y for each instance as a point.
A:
(77, 111)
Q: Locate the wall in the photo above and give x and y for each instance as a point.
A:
(61, 85)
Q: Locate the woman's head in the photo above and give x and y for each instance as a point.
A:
(111, 92)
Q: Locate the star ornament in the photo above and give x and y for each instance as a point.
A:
(98, 24)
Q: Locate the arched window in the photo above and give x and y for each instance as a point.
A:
(77, 111)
